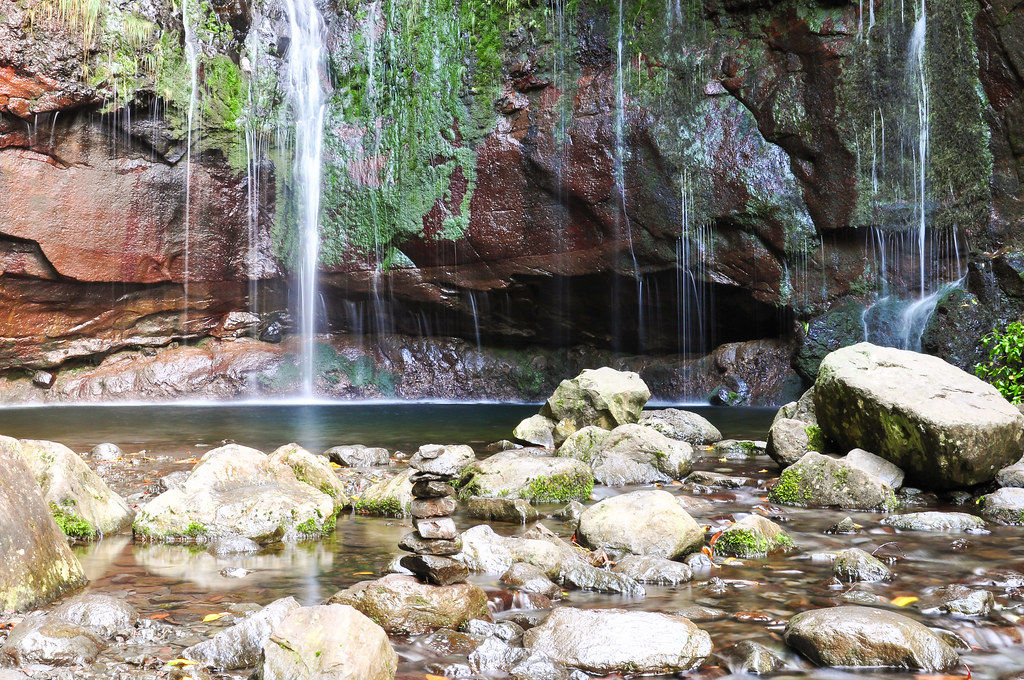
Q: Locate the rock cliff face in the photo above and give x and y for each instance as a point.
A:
(623, 176)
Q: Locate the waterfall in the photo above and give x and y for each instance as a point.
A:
(308, 101)
(192, 57)
(918, 80)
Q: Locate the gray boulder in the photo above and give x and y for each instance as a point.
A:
(875, 465)
(313, 470)
(38, 566)
(240, 645)
(103, 614)
(602, 641)
(950, 522)
(944, 427)
(531, 579)
(651, 569)
(957, 600)
(517, 510)
(391, 497)
(789, 440)
(817, 480)
(684, 426)
(357, 455)
(47, 639)
(537, 430)
(603, 397)
(483, 550)
(522, 474)
(1005, 505)
(642, 523)
(854, 565)
(864, 637)
(442, 459)
(1012, 475)
(328, 641)
(753, 658)
(631, 454)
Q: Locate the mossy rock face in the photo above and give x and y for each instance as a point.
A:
(387, 498)
(313, 470)
(1005, 506)
(603, 397)
(833, 330)
(817, 480)
(519, 474)
(753, 536)
(945, 428)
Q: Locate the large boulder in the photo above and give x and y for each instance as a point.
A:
(405, 606)
(49, 639)
(685, 426)
(789, 439)
(313, 470)
(536, 430)
(328, 642)
(38, 566)
(237, 490)
(863, 637)
(484, 550)
(240, 645)
(391, 497)
(817, 480)
(649, 522)
(631, 454)
(603, 397)
(100, 613)
(80, 501)
(521, 473)
(604, 641)
(944, 427)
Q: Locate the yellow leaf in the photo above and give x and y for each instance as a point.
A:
(904, 600)
(182, 662)
(335, 465)
(363, 573)
(214, 617)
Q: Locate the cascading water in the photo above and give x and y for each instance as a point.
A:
(308, 102)
(189, 10)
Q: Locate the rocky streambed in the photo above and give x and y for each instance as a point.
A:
(609, 548)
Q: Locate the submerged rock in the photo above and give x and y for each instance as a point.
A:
(328, 641)
(754, 658)
(741, 449)
(944, 427)
(357, 455)
(241, 491)
(684, 426)
(390, 497)
(520, 474)
(957, 600)
(641, 523)
(531, 579)
(854, 565)
(240, 645)
(817, 480)
(603, 397)
(606, 641)
(631, 454)
(402, 605)
(753, 536)
(951, 522)
(37, 565)
(864, 637)
(80, 501)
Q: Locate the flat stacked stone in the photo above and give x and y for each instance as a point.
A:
(436, 538)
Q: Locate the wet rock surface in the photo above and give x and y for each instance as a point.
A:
(641, 523)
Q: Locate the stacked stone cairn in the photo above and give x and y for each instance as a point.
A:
(435, 538)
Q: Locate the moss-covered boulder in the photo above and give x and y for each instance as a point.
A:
(391, 497)
(789, 439)
(83, 505)
(603, 397)
(837, 328)
(649, 522)
(523, 474)
(945, 428)
(237, 490)
(817, 480)
(753, 536)
(38, 566)
(313, 470)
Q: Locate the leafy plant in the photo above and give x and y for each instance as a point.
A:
(1005, 366)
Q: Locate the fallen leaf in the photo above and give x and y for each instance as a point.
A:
(904, 600)
(157, 617)
(182, 662)
(335, 465)
(214, 617)
(363, 573)
(714, 539)
(437, 677)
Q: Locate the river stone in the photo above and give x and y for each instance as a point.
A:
(485, 551)
(81, 502)
(648, 522)
(854, 565)
(753, 658)
(789, 440)
(682, 425)
(738, 449)
(1005, 505)
(1012, 475)
(753, 536)
(240, 645)
(604, 641)
(237, 490)
(390, 497)
(817, 480)
(536, 430)
(864, 637)
(432, 507)
(944, 427)
(357, 455)
(802, 409)
(41, 638)
(512, 510)
(446, 460)
(519, 474)
(414, 543)
(636, 454)
(106, 452)
(875, 465)
(583, 443)
(313, 470)
(950, 522)
(583, 576)
(603, 397)
(37, 565)
(651, 569)
(531, 579)
(102, 614)
(405, 606)
(327, 642)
